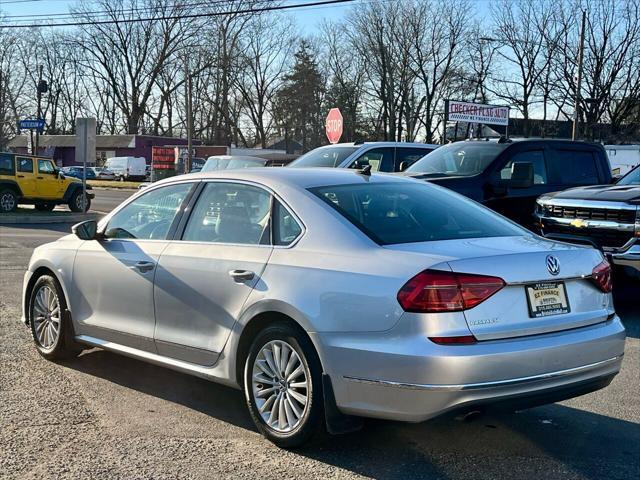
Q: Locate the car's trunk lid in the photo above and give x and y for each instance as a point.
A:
(522, 262)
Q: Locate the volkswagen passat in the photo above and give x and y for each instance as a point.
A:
(328, 295)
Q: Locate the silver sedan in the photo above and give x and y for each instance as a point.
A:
(328, 295)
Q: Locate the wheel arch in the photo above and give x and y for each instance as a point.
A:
(11, 184)
(258, 322)
(41, 270)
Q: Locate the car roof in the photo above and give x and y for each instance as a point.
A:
(295, 177)
(382, 144)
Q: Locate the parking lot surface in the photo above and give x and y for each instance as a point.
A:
(106, 416)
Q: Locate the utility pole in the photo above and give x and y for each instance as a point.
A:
(188, 92)
(39, 92)
(576, 118)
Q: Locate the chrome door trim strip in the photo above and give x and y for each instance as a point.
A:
(499, 383)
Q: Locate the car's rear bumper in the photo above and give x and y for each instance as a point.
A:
(420, 380)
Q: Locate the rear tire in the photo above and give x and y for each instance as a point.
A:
(75, 202)
(45, 207)
(8, 200)
(285, 402)
(50, 324)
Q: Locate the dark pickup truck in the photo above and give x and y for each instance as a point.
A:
(509, 176)
(605, 216)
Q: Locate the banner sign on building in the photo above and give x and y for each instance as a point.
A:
(456, 111)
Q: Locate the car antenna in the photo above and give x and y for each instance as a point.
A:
(366, 170)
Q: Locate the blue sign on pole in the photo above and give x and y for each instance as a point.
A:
(32, 124)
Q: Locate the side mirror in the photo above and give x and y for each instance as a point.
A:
(60, 174)
(87, 230)
(521, 175)
(359, 164)
(403, 166)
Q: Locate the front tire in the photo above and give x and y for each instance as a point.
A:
(75, 202)
(8, 200)
(283, 386)
(51, 327)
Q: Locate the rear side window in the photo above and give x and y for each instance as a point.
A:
(575, 167)
(285, 227)
(392, 213)
(25, 165)
(6, 164)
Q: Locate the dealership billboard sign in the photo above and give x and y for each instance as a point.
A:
(456, 111)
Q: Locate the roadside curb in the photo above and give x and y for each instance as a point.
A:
(46, 219)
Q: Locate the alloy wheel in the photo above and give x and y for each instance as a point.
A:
(280, 383)
(46, 317)
(7, 202)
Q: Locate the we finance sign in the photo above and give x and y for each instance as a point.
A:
(476, 113)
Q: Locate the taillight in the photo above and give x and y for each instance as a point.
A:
(435, 291)
(459, 340)
(601, 276)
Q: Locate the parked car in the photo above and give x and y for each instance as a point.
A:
(329, 294)
(509, 176)
(229, 162)
(103, 174)
(605, 216)
(196, 164)
(382, 156)
(31, 180)
(78, 172)
(127, 168)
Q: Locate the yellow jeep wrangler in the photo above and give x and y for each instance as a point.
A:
(28, 179)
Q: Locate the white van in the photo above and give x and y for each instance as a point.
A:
(127, 168)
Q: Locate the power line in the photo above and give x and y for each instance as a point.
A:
(105, 12)
(177, 17)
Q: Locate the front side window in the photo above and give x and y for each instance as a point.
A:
(25, 165)
(324, 157)
(409, 155)
(536, 157)
(6, 164)
(458, 159)
(230, 213)
(150, 216)
(392, 213)
(45, 166)
(380, 159)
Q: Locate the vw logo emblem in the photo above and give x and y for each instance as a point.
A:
(553, 265)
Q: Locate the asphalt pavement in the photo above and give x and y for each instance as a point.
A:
(107, 199)
(107, 416)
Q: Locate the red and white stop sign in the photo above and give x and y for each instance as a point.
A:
(333, 125)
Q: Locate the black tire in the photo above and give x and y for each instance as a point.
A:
(75, 202)
(45, 207)
(62, 346)
(121, 178)
(8, 200)
(312, 419)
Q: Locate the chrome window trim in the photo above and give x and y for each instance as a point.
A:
(270, 191)
(496, 384)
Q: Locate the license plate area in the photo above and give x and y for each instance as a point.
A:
(547, 298)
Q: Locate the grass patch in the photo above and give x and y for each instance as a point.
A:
(113, 184)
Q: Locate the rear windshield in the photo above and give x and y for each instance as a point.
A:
(324, 157)
(391, 213)
(458, 159)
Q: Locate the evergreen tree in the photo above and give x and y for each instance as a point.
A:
(298, 104)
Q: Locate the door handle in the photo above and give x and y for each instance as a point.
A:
(143, 266)
(20, 176)
(241, 275)
(40, 178)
